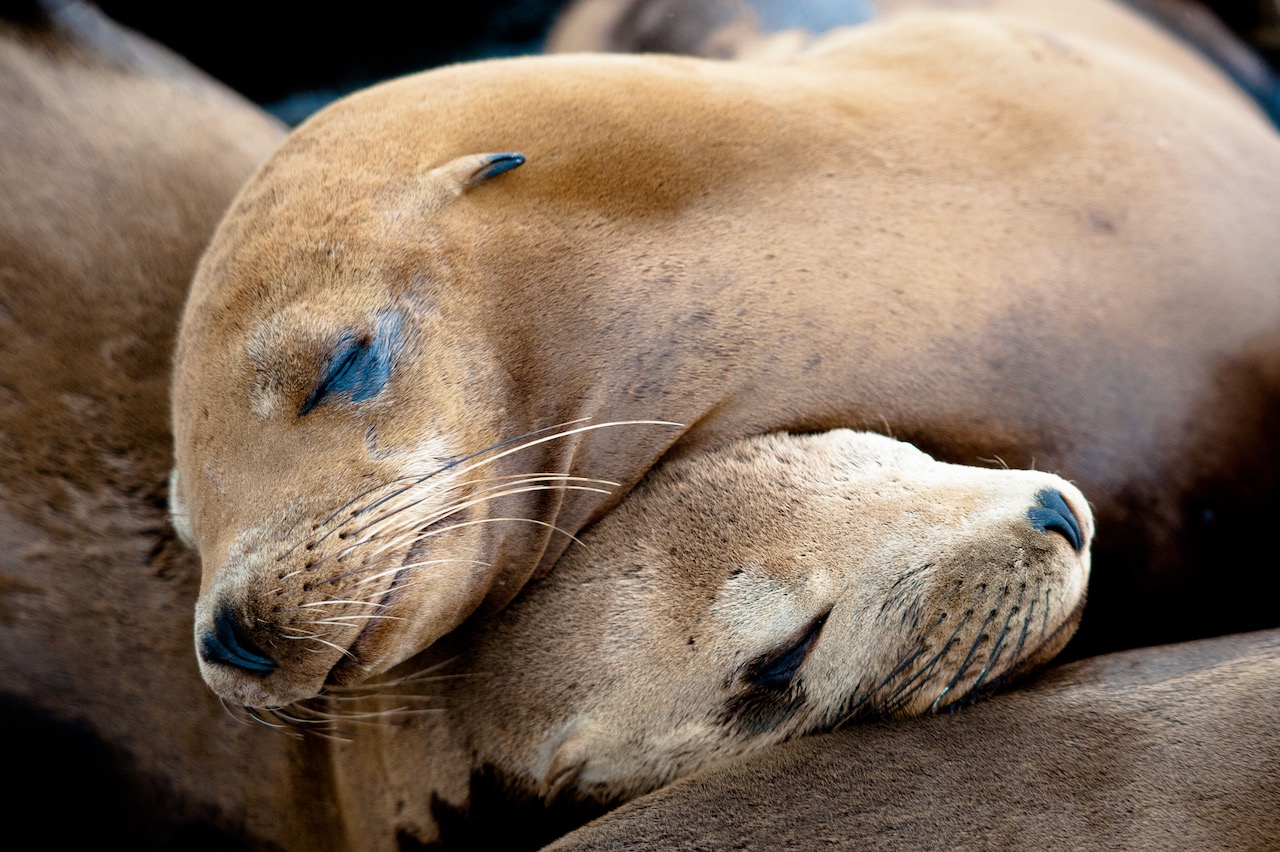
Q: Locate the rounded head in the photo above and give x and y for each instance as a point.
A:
(336, 462)
(780, 586)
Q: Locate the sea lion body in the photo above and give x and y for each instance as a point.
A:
(116, 161)
(1157, 748)
(987, 235)
(764, 29)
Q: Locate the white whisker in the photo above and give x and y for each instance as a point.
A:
(337, 601)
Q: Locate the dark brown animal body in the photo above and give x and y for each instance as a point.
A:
(116, 161)
(1158, 748)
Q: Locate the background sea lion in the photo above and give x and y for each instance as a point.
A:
(992, 236)
(755, 29)
(116, 160)
(1158, 748)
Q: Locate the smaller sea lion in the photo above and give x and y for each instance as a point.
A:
(775, 587)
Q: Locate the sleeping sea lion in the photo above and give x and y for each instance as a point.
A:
(452, 305)
(697, 622)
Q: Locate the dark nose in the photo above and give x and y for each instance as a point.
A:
(1051, 513)
(225, 644)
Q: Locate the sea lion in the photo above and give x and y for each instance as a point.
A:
(755, 29)
(1160, 748)
(700, 618)
(706, 617)
(994, 235)
(117, 160)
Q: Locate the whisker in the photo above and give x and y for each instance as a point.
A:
(453, 466)
(898, 698)
(374, 696)
(964, 664)
(998, 647)
(458, 525)
(339, 648)
(921, 649)
(440, 515)
(337, 601)
(257, 717)
(343, 620)
(302, 634)
(448, 466)
(495, 494)
(535, 441)
(414, 565)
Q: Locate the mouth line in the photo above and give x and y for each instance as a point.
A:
(349, 666)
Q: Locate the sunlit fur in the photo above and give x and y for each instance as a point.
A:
(631, 664)
(993, 230)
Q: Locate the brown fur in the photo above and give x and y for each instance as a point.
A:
(993, 235)
(1159, 748)
(115, 168)
(117, 161)
(901, 586)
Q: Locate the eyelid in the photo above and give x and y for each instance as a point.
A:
(776, 669)
(359, 365)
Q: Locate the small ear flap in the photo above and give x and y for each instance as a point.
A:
(565, 767)
(474, 169)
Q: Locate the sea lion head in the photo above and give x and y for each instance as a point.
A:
(332, 467)
(384, 409)
(780, 586)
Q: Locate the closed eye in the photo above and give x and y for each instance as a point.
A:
(776, 669)
(358, 365)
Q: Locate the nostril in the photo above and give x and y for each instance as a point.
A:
(1052, 514)
(226, 644)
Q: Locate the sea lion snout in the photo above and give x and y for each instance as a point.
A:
(225, 643)
(1052, 513)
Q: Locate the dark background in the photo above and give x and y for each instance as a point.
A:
(294, 57)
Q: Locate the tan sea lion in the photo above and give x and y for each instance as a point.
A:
(1159, 748)
(116, 160)
(992, 234)
(772, 588)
